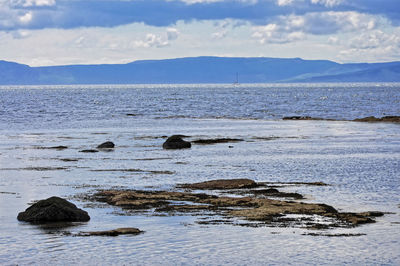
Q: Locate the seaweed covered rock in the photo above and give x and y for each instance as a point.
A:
(392, 119)
(176, 142)
(254, 210)
(53, 209)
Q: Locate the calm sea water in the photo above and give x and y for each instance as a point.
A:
(360, 160)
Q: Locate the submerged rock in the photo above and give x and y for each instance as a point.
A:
(106, 145)
(300, 118)
(89, 151)
(306, 118)
(53, 209)
(115, 232)
(215, 141)
(222, 184)
(176, 142)
(58, 148)
(318, 183)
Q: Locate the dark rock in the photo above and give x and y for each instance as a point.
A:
(89, 151)
(305, 118)
(58, 147)
(296, 118)
(69, 160)
(115, 232)
(332, 235)
(106, 145)
(53, 209)
(215, 141)
(355, 218)
(176, 142)
(272, 192)
(266, 191)
(222, 184)
(373, 214)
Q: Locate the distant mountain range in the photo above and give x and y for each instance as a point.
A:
(201, 70)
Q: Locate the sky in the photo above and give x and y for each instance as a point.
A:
(64, 32)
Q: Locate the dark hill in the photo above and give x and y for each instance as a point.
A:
(201, 70)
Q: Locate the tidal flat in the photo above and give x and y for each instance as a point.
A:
(352, 167)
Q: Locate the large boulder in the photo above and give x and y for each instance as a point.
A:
(53, 209)
(176, 142)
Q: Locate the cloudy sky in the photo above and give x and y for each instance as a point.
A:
(58, 32)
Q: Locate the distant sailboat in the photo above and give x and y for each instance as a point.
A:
(237, 79)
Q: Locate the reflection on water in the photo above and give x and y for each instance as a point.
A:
(360, 160)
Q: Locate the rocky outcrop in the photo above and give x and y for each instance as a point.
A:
(115, 232)
(389, 119)
(176, 142)
(53, 209)
(106, 145)
(257, 208)
(222, 184)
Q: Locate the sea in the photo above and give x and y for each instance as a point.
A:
(360, 161)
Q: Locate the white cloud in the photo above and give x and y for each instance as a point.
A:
(284, 2)
(328, 3)
(20, 34)
(172, 34)
(157, 40)
(25, 19)
(333, 40)
(376, 39)
(333, 22)
(214, 1)
(29, 3)
(219, 35)
(274, 33)
(294, 28)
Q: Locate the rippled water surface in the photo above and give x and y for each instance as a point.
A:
(360, 160)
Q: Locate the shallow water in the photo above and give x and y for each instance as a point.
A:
(360, 160)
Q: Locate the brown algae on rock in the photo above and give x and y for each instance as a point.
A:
(256, 210)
